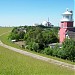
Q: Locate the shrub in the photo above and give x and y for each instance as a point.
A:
(48, 51)
(68, 48)
(35, 46)
(55, 50)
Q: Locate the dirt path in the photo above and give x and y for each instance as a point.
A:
(39, 57)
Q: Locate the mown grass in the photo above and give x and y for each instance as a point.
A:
(5, 29)
(12, 63)
(4, 39)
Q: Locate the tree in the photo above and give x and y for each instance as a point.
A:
(21, 34)
(56, 50)
(17, 33)
(35, 47)
(48, 51)
(40, 35)
(13, 36)
(68, 48)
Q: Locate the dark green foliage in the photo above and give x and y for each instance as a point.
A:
(33, 46)
(13, 36)
(48, 51)
(37, 38)
(69, 49)
(56, 50)
(66, 52)
(61, 54)
(17, 33)
(40, 35)
(29, 46)
(21, 34)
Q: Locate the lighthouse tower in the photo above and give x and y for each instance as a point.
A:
(66, 25)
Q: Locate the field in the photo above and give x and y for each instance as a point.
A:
(4, 38)
(12, 63)
(5, 29)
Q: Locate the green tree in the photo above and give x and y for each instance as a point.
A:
(35, 47)
(21, 34)
(13, 36)
(41, 36)
(68, 48)
(48, 51)
(56, 50)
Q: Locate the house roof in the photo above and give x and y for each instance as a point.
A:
(71, 34)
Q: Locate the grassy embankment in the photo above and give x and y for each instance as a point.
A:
(12, 63)
(4, 39)
(5, 29)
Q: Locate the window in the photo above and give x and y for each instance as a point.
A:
(71, 17)
(67, 16)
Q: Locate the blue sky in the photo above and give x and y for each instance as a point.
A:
(27, 12)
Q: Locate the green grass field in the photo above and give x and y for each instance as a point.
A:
(5, 29)
(12, 63)
(4, 38)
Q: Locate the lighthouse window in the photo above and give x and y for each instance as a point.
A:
(71, 17)
(67, 16)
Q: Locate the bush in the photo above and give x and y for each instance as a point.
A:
(55, 50)
(13, 36)
(68, 48)
(62, 54)
(29, 46)
(48, 51)
(35, 46)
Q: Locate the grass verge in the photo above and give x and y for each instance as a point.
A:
(12, 63)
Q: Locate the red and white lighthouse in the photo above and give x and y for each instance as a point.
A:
(66, 25)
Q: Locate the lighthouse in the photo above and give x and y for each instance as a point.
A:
(66, 26)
